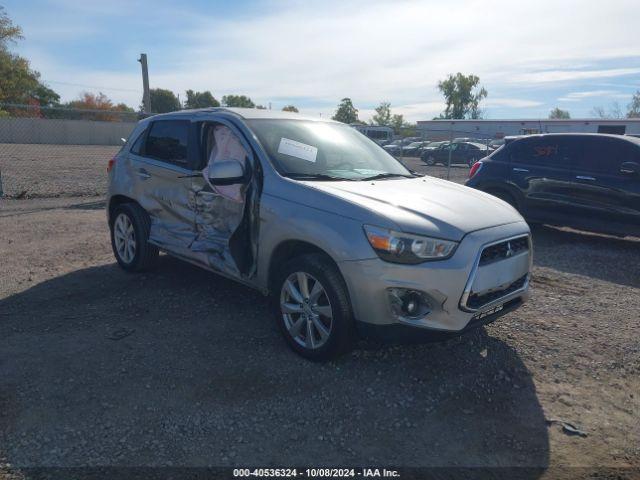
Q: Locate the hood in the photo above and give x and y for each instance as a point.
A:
(425, 205)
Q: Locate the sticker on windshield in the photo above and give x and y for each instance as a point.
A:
(298, 150)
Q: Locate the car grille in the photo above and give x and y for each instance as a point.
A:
(503, 250)
(477, 301)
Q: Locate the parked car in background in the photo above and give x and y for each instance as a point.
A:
(586, 181)
(395, 147)
(414, 149)
(434, 145)
(495, 144)
(466, 153)
(341, 235)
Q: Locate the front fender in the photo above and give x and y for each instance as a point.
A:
(342, 238)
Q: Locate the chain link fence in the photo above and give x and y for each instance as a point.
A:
(443, 153)
(57, 152)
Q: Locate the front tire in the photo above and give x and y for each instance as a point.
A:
(130, 226)
(430, 161)
(312, 307)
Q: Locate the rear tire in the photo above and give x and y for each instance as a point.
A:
(130, 225)
(312, 307)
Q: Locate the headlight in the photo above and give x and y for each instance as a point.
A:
(401, 247)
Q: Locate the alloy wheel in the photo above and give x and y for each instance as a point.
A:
(125, 238)
(306, 310)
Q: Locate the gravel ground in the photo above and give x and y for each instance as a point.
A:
(36, 171)
(182, 367)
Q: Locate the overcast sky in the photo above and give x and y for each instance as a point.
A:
(530, 56)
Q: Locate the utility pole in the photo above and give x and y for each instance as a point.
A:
(146, 98)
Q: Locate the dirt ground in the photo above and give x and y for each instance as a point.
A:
(182, 367)
(41, 171)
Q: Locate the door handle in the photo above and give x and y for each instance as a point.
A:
(143, 174)
(585, 177)
(523, 170)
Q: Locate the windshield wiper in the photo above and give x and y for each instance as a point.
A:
(380, 176)
(315, 176)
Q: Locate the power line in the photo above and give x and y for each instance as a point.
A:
(94, 86)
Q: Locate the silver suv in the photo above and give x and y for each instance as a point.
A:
(343, 237)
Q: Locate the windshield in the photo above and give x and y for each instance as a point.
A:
(322, 149)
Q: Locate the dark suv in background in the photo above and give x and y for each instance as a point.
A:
(466, 153)
(586, 181)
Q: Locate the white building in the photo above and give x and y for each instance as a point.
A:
(493, 129)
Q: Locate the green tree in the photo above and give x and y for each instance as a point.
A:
(559, 114)
(383, 115)
(290, 108)
(462, 96)
(261, 107)
(346, 112)
(9, 33)
(163, 101)
(398, 122)
(241, 101)
(633, 109)
(19, 84)
(200, 100)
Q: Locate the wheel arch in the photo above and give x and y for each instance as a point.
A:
(288, 249)
(506, 190)
(117, 200)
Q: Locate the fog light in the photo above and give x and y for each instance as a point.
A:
(408, 304)
(411, 304)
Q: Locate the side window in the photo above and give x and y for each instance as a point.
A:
(554, 152)
(167, 140)
(137, 145)
(605, 155)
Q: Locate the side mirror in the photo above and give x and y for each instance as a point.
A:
(226, 172)
(630, 168)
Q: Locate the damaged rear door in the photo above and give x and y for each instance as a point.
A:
(161, 169)
(226, 218)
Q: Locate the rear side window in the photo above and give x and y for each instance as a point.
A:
(167, 140)
(555, 152)
(605, 155)
(137, 145)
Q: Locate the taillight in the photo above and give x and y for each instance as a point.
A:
(111, 163)
(475, 168)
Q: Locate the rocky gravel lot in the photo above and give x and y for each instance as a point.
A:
(181, 367)
(43, 171)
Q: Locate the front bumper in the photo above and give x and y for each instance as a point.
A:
(405, 334)
(446, 283)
